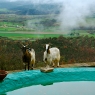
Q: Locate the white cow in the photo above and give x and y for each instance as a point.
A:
(51, 56)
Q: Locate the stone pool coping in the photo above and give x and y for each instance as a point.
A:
(21, 79)
(87, 64)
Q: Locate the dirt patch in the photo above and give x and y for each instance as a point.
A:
(89, 64)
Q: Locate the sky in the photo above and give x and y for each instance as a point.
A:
(55, 1)
(73, 12)
(37, 1)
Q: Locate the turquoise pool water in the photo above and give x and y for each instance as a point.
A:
(60, 88)
(56, 80)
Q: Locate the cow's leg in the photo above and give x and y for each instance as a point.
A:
(53, 64)
(58, 64)
(32, 66)
(24, 66)
(28, 66)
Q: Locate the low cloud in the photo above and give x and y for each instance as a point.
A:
(74, 12)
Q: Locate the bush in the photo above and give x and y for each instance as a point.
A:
(79, 49)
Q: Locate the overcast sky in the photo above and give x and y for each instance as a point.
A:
(37, 1)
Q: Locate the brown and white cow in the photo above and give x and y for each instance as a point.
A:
(28, 56)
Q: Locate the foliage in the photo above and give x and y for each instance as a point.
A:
(79, 49)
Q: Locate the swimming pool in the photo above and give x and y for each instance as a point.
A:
(73, 78)
(60, 88)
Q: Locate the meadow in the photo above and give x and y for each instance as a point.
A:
(40, 26)
(23, 27)
(29, 36)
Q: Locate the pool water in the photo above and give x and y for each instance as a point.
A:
(60, 88)
(62, 81)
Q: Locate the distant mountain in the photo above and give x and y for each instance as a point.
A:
(37, 9)
(9, 5)
(30, 9)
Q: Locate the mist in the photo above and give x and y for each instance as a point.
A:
(73, 13)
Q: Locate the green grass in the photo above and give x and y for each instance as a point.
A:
(4, 10)
(19, 36)
(29, 35)
(8, 29)
(9, 23)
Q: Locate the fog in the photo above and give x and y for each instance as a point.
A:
(35, 1)
(73, 13)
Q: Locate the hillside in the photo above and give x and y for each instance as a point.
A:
(73, 50)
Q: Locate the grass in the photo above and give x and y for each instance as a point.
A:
(16, 23)
(30, 35)
(18, 36)
(8, 29)
(3, 10)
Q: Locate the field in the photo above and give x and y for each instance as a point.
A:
(40, 26)
(29, 36)
(23, 27)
